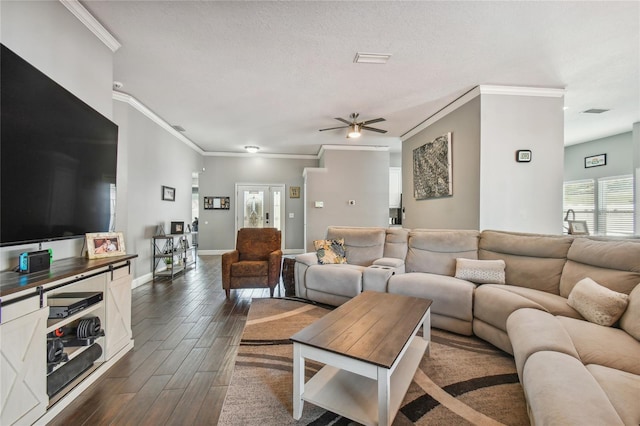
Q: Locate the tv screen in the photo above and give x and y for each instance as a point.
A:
(58, 159)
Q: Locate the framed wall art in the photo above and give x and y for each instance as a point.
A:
(432, 169)
(168, 193)
(105, 244)
(294, 192)
(217, 203)
(595, 161)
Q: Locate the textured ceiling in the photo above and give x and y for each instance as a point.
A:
(272, 73)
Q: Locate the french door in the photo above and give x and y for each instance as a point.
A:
(260, 206)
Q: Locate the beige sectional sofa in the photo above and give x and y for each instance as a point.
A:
(573, 371)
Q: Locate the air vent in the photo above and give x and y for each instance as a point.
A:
(179, 128)
(595, 111)
(371, 58)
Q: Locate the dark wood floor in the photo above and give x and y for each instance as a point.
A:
(186, 338)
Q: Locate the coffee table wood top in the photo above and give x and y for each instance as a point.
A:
(372, 327)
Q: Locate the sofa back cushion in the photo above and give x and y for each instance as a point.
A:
(435, 250)
(614, 264)
(362, 245)
(396, 243)
(532, 260)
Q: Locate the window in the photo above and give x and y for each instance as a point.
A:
(615, 205)
(613, 197)
(579, 196)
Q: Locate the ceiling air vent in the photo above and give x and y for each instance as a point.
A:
(595, 111)
(371, 58)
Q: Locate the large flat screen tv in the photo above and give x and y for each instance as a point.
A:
(58, 159)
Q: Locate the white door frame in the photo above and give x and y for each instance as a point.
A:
(268, 187)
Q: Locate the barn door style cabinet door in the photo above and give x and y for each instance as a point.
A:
(33, 389)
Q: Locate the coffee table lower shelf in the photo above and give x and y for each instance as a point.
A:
(356, 396)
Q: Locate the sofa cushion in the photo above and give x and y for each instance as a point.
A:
(330, 251)
(532, 330)
(451, 297)
(341, 279)
(622, 389)
(532, 260)
(480, 271)
(435, 251)
(606, 346)
(561, 391)
(557, 305)
(630, 320)
(362, 245)
(613, 264)
(396, 243)
(596, 303)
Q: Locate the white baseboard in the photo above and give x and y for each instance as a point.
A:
(141, 280)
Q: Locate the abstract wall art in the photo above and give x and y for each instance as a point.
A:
(432, 169)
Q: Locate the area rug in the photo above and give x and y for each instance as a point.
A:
(463, 381)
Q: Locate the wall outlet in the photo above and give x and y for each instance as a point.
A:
(291, 215)
(319, 204)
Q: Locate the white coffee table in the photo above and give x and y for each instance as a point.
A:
(371, 351)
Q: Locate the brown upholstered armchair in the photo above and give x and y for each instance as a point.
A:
(256, 261)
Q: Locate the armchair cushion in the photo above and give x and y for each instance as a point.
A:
(250, 268)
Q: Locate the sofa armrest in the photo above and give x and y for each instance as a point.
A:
(307, 259)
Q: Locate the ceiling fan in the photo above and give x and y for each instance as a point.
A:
(355, 127)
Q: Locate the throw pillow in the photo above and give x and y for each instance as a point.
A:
(596, 303)
(480, 271)
(330, 251)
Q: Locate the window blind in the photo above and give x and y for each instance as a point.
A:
(615, 205)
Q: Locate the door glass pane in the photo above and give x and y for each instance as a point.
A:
(253, 209)
(275, 207)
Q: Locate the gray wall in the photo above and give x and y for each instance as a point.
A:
(362, 176)
(148, 158)
(217, 227)
(49, 37)
(514, 196)
(619, 150)
(461, 211)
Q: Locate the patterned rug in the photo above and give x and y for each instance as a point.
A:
(464, 380)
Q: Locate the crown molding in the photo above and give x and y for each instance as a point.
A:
(483, 89)
(324, 148)
(91, 23)
(130, 100)
(260, 154)
(521, 91)
(446, 110)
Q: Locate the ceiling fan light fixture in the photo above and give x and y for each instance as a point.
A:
(251, 149)
(354, 131)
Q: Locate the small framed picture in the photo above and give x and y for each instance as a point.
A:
(168, 193)
(177, 227)
(523, 156)
(578, 227)
(294, 192)
(595, 161)
(105, 244)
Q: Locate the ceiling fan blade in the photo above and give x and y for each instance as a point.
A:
(343, 120)
(375, 120)
(333, 128)
(373, 129)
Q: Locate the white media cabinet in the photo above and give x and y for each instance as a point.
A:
(24, 327)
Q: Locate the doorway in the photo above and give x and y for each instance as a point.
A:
(260, 206)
